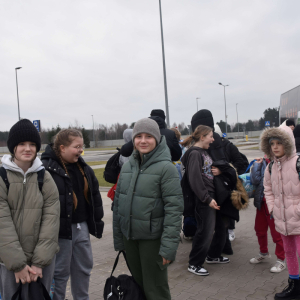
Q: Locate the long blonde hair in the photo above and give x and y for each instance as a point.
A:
(65, 137)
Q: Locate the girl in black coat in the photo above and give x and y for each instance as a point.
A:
(81, 212)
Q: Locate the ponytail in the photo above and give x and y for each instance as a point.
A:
(195, 137)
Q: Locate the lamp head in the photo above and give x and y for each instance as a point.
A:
(18, 68)
(220, 83)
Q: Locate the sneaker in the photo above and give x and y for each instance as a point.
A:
(231, 235)
(197, 270)
(219, 260)
(278, 267)
(260, 258)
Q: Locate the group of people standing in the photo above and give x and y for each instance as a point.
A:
(49, 207)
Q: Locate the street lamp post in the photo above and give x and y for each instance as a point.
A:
(225, 104)
(18, 91)
(93, 131)
(164, 66)
(197, 102)
(237, 118)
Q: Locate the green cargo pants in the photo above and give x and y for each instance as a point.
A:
(147, 268)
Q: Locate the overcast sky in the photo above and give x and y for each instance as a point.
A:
(103, 58)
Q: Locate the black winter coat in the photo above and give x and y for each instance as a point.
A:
(171, 139)
(224, 184)
(64, 185)
(233, 156)
(297, 142)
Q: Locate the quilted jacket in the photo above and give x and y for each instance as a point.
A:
(282, 187)
(148, 203)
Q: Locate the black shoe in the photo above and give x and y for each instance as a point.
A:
(290, 292)
(197, 270)
(219, 260)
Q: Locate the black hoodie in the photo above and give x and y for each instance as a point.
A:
(171, 139)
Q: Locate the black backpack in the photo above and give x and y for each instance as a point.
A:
(40, 174)
(112, 168)
(123, 287)
(244, 157)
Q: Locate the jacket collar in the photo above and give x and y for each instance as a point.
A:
(8, 164)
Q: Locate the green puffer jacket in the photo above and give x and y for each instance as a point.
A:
(29, 219)
(148, 203)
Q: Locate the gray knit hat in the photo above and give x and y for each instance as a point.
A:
(146, 125)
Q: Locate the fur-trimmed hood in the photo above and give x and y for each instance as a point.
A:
(285, 134)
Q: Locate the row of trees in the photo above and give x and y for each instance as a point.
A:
(270, 114)
(115, 131)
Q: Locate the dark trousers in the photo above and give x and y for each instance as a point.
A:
(219, 239)
(231, 224)
(147, 269)
(206, 219)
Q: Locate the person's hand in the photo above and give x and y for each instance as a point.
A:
(216, 171)
(24, 275)
(213, 204)
(259, 160)
(165, 261)
(38, 271)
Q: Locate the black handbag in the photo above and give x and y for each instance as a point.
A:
(37, 291)
(124, 287)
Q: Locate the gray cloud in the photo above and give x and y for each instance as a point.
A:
(104, 58)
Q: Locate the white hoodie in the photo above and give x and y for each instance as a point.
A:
(8, 164)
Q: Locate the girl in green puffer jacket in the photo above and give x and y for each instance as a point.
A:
(29, 217)
(148, 209)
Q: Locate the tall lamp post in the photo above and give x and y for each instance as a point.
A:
(164, 66)
(237, 118)
(197, 102)
(225, 104)
(93, 132)
(18, 91)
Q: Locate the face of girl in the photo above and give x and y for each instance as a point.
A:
(71, 153)
(277, 148)
(25, 151)
(144, 143)
(207, 140)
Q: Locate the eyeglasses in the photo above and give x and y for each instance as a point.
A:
(80, 147)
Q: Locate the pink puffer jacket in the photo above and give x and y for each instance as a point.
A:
(282, 187)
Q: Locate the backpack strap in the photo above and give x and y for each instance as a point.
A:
(298, 166)
(3, 175)
(270, 167)
(40, 177)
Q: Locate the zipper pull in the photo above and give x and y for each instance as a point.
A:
(24, 180)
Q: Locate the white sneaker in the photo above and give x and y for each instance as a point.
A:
(278, 267)
(231, 235)
(259, 258)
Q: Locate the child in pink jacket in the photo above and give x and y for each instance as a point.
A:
(282, 193)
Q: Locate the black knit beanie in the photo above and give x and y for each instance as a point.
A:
(290, 122)
(158, 113)
(23, 131)
(202, 117)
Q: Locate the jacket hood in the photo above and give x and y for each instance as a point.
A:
(127, 135)
(202, 117)
(160, 153)
(285, 134)
(8, 164)
(218, 130)
(161, 123)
